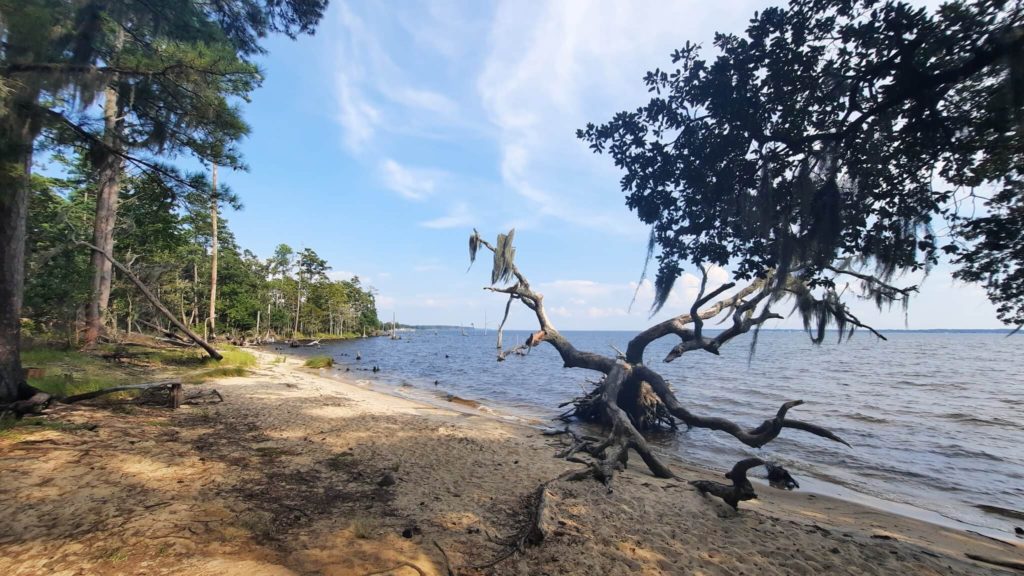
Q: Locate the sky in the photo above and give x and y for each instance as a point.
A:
(383, 140)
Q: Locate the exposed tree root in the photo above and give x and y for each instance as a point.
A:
(36, 402)
(533, 531)
(396, 567)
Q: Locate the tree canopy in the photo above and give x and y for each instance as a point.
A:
(837, 140)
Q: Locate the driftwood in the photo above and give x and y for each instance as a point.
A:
(1014, 564)
(631, 396)
(533, 531)
(155, 301)
(741, 488)
(161, 385)
(169, 392)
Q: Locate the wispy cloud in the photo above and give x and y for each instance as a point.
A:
(459, 216)
(372, 92)
(410, 183)
(356, 115)
(552, 67)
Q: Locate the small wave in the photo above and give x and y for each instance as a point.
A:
(957, 451)
(867, 418)
(975, 419)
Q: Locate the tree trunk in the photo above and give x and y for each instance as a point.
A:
(109, 190)
(17, 134)
(298, 304)
(213, 258)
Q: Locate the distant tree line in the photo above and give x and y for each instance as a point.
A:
(164, 235)
(123, 89)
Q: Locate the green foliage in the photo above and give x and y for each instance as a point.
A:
(814, 143)
(319, 362)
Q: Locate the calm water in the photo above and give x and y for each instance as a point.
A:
(935, 419)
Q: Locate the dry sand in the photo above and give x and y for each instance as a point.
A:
(285, 477)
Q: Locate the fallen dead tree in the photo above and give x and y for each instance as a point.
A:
(155, 301)
(168, 393)
(631, 398)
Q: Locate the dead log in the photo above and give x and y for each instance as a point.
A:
(174, 398)
(155, 301)
(741, 488)
(1005, 563)
(210, 396)
(161, 385)
(35, 403)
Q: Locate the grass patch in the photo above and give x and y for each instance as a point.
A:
(67, 385)
(319, 362)
(194, 357)
(213, 373)
(278, 360)
(68, 372)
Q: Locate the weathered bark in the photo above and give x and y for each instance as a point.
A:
(107, 195)
(213, 258)
(18, 129)
(647, 397)
(156, 303)
(741, 488)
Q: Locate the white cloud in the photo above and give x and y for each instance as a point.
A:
(459, 216)
(357, 116)
(553, 66)
(372, 92)
(411, 183)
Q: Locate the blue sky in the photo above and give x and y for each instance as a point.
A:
(384, 139)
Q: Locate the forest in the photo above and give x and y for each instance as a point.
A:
(164, 234)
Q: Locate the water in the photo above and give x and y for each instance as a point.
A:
(935, 419)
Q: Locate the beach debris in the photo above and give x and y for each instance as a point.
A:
(1005, 563)
(779, 477)
(1019, 531)
(742, 489)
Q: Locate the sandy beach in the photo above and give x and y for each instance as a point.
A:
(299, 473)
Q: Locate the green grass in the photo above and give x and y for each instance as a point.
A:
(219, 372)
(61, 385)
(68, 372)
(194, 357)
(45, 356)
(319, 362)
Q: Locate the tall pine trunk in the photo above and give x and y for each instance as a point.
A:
(213, 258)
(18, 130)
(109, 189)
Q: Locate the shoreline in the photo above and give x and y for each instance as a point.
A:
(523, 415)
(793, 505)
(296, 472)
